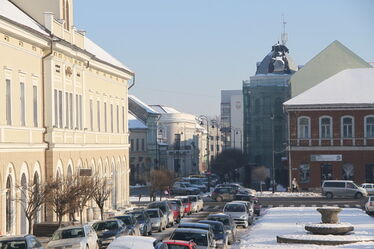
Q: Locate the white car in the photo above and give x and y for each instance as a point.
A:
(369, 188)
(136, 242)
(369, 205)
(75, 237)
(198, 203)
(239, 213)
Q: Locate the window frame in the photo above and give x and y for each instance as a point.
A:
(365, 127)
(299, 128)
(330, 127)
(342, 127)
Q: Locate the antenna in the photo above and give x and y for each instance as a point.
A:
(284, 35)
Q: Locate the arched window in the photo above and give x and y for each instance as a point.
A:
(23, 204)
(325, 127)
(303, 127)
(9, 209)
(347, 127)
(348, 171)
(369, 127)
(114, 187)
(37, 186)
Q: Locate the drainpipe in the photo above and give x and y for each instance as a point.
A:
(43, 115)
(133, 83)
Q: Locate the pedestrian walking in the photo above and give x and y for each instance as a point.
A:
(294, 185)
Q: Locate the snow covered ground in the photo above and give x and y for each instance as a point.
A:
(282, 221)
(287, 194)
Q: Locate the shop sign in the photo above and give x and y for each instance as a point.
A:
(326, 158)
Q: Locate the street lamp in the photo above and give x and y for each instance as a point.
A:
(272, 145)
(201, 118)
(216, 126)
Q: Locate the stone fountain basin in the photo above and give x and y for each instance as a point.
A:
(322, 239)
(327, 228)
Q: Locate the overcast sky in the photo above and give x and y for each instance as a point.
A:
(185, 52)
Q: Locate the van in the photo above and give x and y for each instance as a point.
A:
(342, 188)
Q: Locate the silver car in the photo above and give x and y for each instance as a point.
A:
(158, 219)
(342, 188)
(239, 213)
(74, 237)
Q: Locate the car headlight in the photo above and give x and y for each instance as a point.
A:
(157, 223)
(243, 217)
(141, 225)
(220, 241)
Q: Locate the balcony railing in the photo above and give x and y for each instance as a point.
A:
(355, 141)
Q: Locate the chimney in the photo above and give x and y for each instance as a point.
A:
(48, 21)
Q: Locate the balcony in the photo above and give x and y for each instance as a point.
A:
(326, 142)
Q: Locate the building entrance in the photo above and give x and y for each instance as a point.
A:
(369, 173)
(326, 172)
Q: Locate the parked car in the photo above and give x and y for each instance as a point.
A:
(165, 208)
(342, 188)
(199, 202)
(256, 206)
(196, 225)
(108, 230)
(183, 188)
(238, 188)
(179, 203)
(369, 205)
(228, 223)
(220, 235)
(175, 206)
(240, 213)
(179, 244)
(186, 203)
(369, 188)
(81, 237)
(137, 242)
(131, 223)
(197, 182)
(202, 238)
(224, 193)
(20, 242)
(158, 219)
(145, 224)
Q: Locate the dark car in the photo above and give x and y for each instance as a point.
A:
(220, 235)
(195, 225)
(131, 223)
(108, 230)
(20, 242)
(224, 193)
(202, 238)
(165, 208)
(145, 224)
(228, 223)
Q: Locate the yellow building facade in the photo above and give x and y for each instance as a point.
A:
(64, 106)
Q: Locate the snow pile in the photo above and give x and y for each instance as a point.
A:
(283, 221)
(287, 194)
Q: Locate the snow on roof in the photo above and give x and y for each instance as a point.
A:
(12, 12)
(142, 104)
(135, 123)
(164, 109)
(350, 86)
(101, 54)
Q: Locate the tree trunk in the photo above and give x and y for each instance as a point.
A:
(30, 224)
(81, 215)
(102, 213)
(59, 219)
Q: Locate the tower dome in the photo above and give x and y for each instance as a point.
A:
(278, 61)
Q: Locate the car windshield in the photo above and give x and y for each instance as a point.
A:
(224, 220)
(217, 228)
(109, 225)
(138, 215)
(170, 246)
(193, 198)
(126, 219)
(152, 213)
(15, 244)
(158, 205)
(234, 208)
(184, 200)
(68, 233)
(199, 238)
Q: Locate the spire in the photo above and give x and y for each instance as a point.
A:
(284, 35)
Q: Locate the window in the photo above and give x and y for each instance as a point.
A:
(325, 127)
(111, 118)
(76, 111)
(369, 127)
(22, 103)
(348, 171)
(105, 119)
(56, 108)
(211, 147)
(9, 207)
(143, 148)
(71, 110)
(98, 115)
(8, 103)
(117, 119)
(326, 172)
(347, 127)
(35, 105)
(137, 145)
(304, 173)
(60, 109)
(303, 128)
(91, 115)
(67, 110)
(80, 112)
(132, 144)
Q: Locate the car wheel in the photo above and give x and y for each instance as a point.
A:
(160, 228)
(219, 198)
(329, 195)
(358, 195)
(150, 232)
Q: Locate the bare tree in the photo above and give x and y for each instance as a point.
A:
(33, 197)
(101, 193)
(161, 180)
(260, 174)
(62, 196)
(85, 191)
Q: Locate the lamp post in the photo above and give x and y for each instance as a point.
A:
(201, 118)
(216, 126)
(272, 151)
